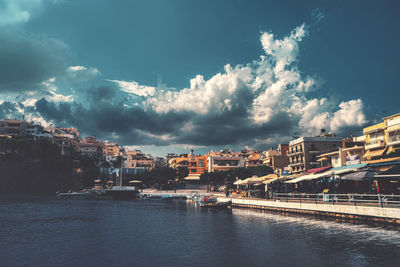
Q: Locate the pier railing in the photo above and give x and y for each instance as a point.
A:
(378, 200)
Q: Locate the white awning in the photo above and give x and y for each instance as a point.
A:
(309, 177)
(192, 177)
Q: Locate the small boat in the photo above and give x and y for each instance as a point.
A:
(73, 194)
(167, 197)
(208, 202)
(225, 204)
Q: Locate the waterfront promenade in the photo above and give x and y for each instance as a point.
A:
(366, 211)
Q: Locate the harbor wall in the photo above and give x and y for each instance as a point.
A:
(362, 213)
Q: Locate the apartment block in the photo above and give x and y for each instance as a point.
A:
(303, 151)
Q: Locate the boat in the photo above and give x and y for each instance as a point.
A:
(225, 204)
(72, 194)
(167, 197)
(207, 201)
(116, 192)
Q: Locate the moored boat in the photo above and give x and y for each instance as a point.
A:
(72, 194)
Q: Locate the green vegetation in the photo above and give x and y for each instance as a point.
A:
(165, 177)
(39, 168)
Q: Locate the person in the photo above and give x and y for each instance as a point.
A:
(226, 192)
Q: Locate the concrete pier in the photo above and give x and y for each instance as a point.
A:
(360, 213)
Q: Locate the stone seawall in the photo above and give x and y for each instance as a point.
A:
(361, 213)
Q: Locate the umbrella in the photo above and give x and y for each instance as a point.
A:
(134, 181)
(238, 182)
(359, 176)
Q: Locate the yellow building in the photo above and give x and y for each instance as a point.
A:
(392, 135)
(382, 141)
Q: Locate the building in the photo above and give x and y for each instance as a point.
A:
(169, 157)
(92, 148)
(350, 153)
(180, 161)
(375, 141)
(254, 159)
(382, 142)
(110, 152)
(197, 164)
(138, 161)
(66, 138)
(224, 160)
(160, 162)
(303, 151)
(14, 128)
(277, 159)
(392, 135)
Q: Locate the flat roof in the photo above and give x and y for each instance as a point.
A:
(315, 139)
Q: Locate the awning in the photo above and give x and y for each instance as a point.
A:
(270, 180)
(359, 176)
(347, 168)
(318, 169)
(269, 176)
(392, 149)
(309, 177)
(135, 182)
(254, 180)
(384, 161)
(192, 177)
(376, 153)
(238, 182)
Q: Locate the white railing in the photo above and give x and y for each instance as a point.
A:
(392, 201)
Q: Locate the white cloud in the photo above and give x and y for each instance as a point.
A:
(30, 102)
(216, 95)
(350, 114)
(82, 73)
(21, 11)
(52, 93)
(275, 85)
(134, 88)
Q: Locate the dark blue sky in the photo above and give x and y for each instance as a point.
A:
(350, 50)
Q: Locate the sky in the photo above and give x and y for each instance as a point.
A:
(173, 75)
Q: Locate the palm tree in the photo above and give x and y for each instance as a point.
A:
(117, 163)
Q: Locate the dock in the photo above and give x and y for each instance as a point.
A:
(178, 194)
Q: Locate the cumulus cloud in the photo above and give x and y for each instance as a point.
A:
(264, 94)
(81, 73)
(350, 114)
(134, 88)
(262, 102)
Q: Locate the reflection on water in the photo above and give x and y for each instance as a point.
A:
(57, 232)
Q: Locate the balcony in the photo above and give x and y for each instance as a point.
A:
(294, 153)
(374, 144)
(394, 140)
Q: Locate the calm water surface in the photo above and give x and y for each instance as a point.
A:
(38, 231)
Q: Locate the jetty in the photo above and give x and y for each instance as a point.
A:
(171, 194)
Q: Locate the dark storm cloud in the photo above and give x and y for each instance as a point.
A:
(26, 60)
(238, 129)
(9, 110)
(108, 115)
